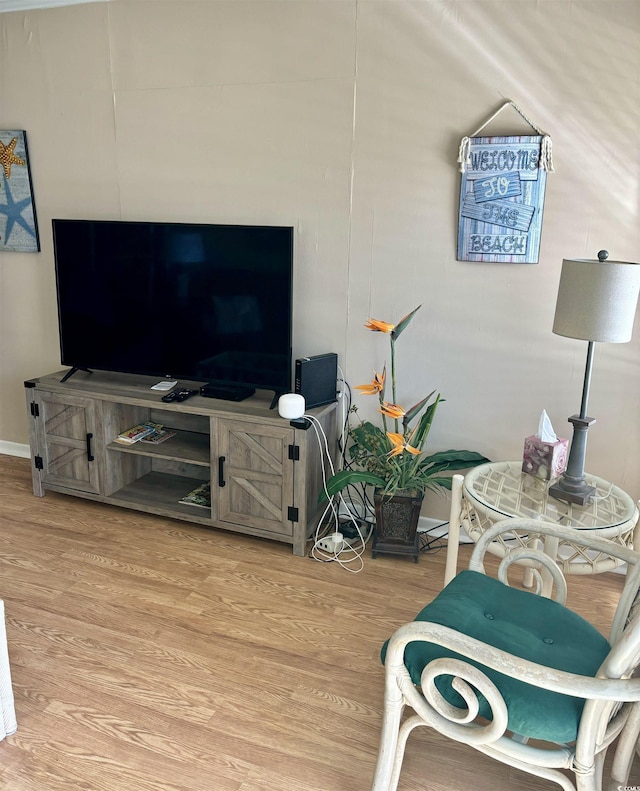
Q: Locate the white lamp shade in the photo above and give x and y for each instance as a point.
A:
(597, 300)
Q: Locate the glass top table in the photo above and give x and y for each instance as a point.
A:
(499, 490)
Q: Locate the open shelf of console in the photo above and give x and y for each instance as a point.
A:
(188, 446)
(159, 492)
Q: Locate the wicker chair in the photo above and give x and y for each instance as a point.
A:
(518, 676)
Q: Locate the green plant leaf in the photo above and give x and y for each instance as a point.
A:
(345, 478)
(402, 324)
(457, 455)
(424, 426)
(451, 460)
(416, 409)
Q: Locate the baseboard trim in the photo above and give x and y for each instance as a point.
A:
(14, 449)
(437, 528)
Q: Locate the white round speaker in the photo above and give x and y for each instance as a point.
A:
(291, 406)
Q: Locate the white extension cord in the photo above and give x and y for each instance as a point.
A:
(332, 543)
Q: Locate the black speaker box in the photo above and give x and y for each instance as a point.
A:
(317, 379)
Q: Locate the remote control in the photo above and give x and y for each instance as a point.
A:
(183, 394)
(170, 396)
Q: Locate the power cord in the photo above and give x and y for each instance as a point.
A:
(359, 504)
(332, 547)
(433, 543)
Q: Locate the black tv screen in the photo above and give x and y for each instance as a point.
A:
(208, 303)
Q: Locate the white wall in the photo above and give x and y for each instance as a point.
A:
(343, 118)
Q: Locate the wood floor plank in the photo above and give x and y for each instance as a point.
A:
(153, 655)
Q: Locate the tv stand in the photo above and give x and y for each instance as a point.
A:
(73, 371)
(227, 392)
(265, 474)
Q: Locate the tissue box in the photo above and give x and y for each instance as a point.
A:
(546, 460)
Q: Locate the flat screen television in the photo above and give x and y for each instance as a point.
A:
(210, 303)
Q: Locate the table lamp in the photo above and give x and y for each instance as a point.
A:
(596, 303)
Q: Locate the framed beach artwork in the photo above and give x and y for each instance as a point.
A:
(18, 223)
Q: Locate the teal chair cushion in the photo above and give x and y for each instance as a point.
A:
(526, 625)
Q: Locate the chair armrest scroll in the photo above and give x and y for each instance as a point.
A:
(587, 687)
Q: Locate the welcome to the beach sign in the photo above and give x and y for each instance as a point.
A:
(502, 197)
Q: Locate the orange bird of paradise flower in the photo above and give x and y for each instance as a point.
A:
(400, 444)
(375, 386)
(379, 326)
(394, 411)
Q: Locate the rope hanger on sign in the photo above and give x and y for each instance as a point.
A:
(546, 155)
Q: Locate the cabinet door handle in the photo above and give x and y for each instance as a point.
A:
(221, 480)
(90, 455)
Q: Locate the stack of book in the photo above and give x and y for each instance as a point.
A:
(158, 436)
(136, 433)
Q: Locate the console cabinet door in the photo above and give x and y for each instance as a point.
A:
(67, 440)
(253, 480)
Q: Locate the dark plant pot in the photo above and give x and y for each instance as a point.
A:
(396, 529)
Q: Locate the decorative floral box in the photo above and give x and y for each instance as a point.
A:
(546, 460)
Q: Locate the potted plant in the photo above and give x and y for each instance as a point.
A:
(392, 457)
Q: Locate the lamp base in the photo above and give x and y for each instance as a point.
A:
(571, 486)
(578, 492)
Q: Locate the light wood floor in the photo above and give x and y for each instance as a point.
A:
(152, 655)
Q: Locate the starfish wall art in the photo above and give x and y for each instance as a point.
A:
(18, 224)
